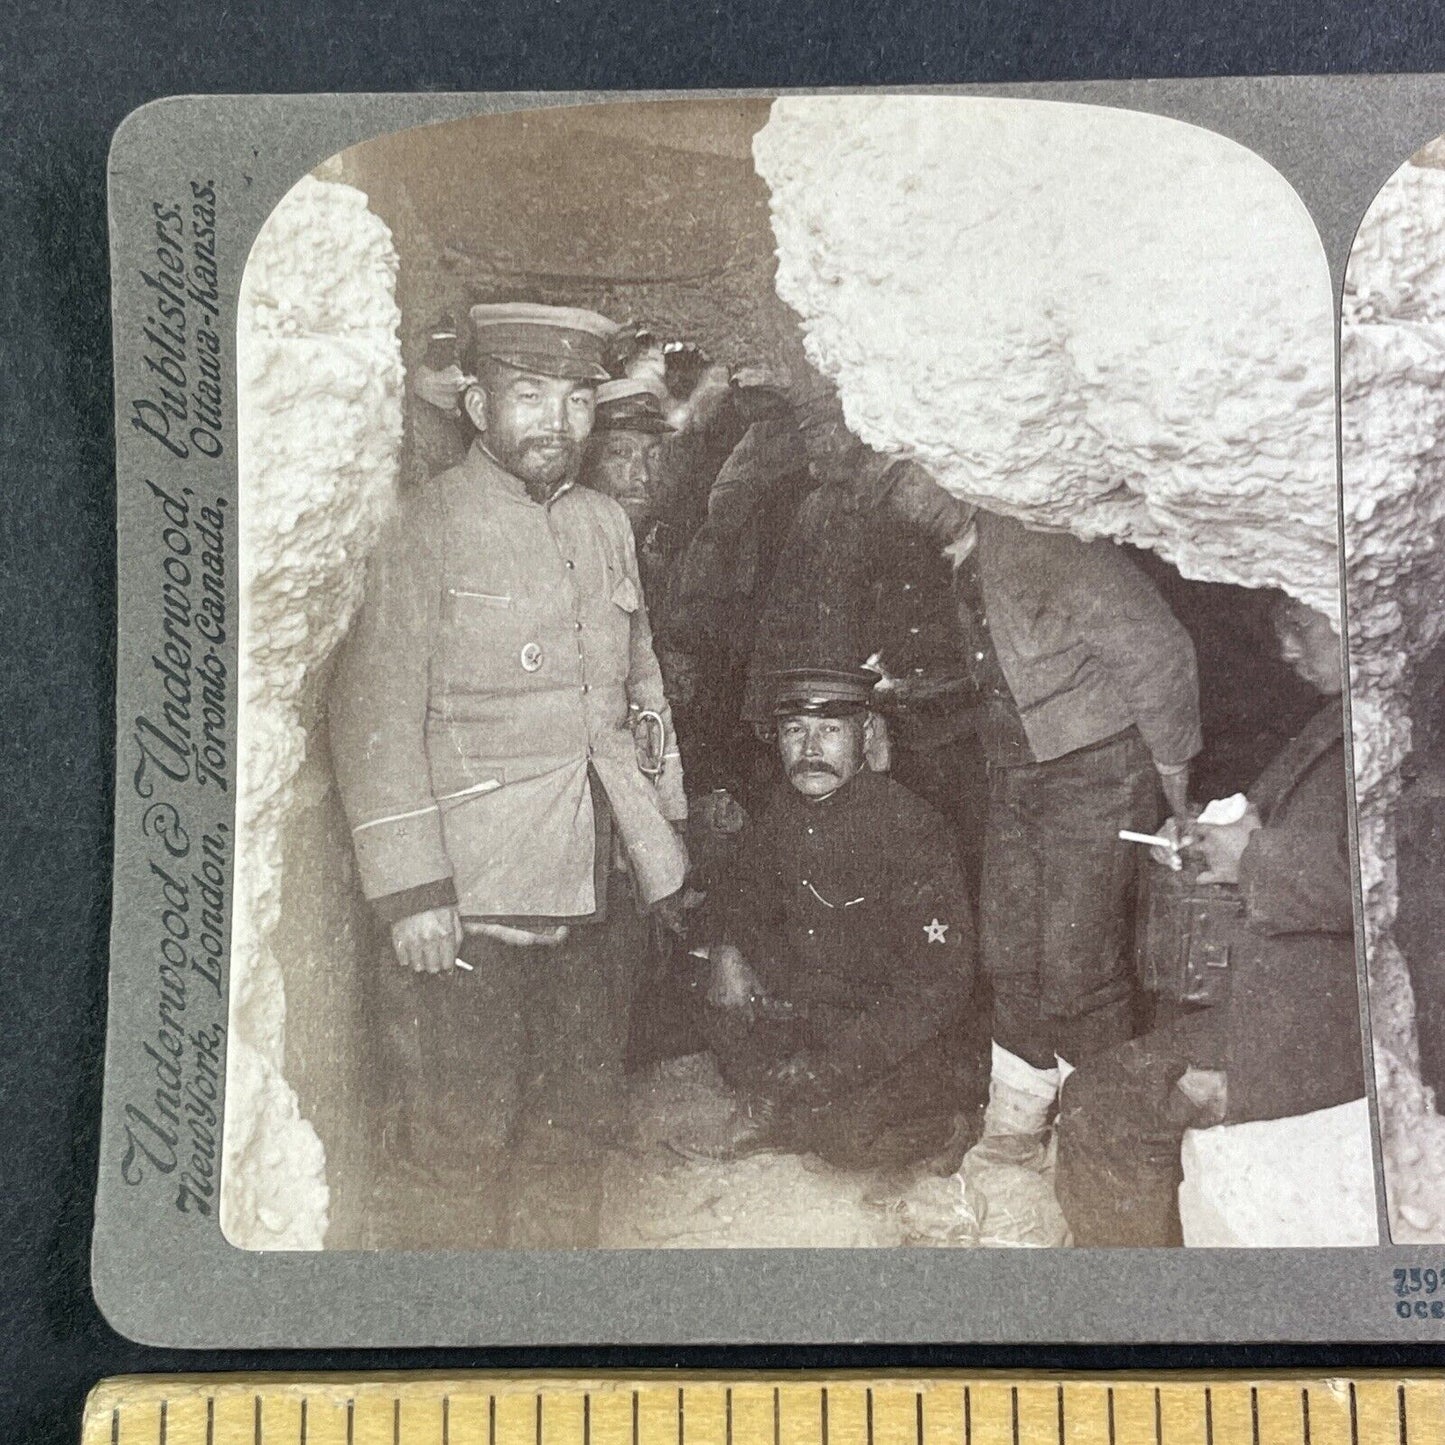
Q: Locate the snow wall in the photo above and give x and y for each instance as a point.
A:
(320, 384)
(1392, 397)
(1086, 318)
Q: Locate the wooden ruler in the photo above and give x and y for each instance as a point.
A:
(806, 1408)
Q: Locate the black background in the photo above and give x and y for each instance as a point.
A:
(68, 74)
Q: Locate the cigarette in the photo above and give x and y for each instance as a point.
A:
(462, 963)
(1153, 840)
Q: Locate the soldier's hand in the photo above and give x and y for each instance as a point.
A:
(1180, 832)
(428, 942)
(1205, 1093)
(1223, 846)
(670, 914)
(805, 1080)
(734, 987)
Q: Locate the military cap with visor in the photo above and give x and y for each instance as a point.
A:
(824, 691)
(631, 404)
(561, 341)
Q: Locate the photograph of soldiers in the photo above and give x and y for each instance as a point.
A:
(840, 947)
(1286, 1040)
(483, 699)
(708, 738)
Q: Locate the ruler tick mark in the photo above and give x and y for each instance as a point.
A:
(587, 1417)
(1014, 1411)
(967, 1416)
(1061, 1417)
(211, 1421)
(259, 1416)
(679, 1418)
(165, 1407)
(1404, 1424)
(395, 1422)
(1209, 1416)
(491, 1420)
(778, 1418)
(728, 1416)
(1304, 1410)
(634, 1420)
(1254, 1413)
(868, 1415)
(823, 1414)
(115, 1426)
(918, 1415)
(1158, 1417)
(1354, 1417)
(303, 1420)
(350, 1422)
(447, 1420)
(539, 1417)
(1110, 1401)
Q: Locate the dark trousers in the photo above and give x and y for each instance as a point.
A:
(904, 1115)
(1056, 916)
(1121, 1123)
(504, 1088)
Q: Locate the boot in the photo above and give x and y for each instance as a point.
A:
(1016, 1125)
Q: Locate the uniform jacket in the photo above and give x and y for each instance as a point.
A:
(1293, 1026)
(730, 558)
(485, 684)
(1086, 643)
(853, 904)
(855, 578)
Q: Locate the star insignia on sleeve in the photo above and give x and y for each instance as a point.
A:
(937, 932)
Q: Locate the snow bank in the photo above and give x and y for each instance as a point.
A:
(1392, 389)
(320, 424)
(1084, 317)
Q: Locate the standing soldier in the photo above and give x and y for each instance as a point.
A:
(622, 463)
(1089, 709)
(480, 724)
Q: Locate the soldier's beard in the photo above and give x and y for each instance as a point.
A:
(543, 465)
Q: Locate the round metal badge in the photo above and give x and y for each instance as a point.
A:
(531, 657)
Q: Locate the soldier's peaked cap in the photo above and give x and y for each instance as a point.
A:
(631, 404)
(563, 341)
(823, 691)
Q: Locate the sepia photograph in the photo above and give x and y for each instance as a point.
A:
(791, 689)
(1392, 366)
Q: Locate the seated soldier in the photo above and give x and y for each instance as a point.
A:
(1286, 1039)
(841, 947)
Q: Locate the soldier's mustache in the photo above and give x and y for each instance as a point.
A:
(799, 769)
